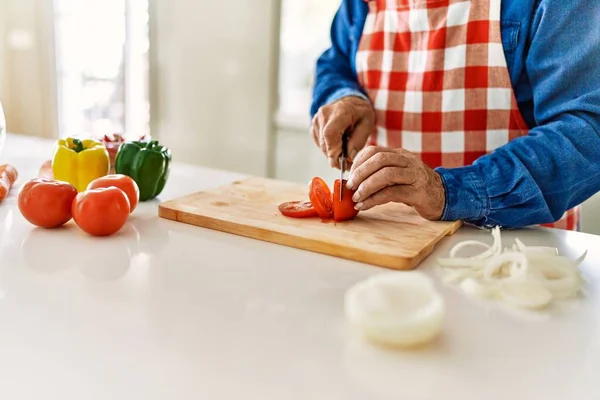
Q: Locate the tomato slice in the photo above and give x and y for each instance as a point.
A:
(343, 210)
(298, 209)
(320, 197)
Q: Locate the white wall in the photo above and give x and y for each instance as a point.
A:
(3, 28)
(299, 160)
(27, 78)
(212, 80)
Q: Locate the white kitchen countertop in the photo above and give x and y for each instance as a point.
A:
(169, 311)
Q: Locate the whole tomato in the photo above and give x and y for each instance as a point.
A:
(46, 203)
(102, 211)
(123, 182)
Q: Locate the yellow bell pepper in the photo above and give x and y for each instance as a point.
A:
(79, 162)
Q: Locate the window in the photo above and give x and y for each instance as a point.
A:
(102, 67)
(305, 30)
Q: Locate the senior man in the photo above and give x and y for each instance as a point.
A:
(482, 111)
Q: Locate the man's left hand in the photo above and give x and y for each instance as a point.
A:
(384, 175)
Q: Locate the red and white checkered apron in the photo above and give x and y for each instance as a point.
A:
(437, 76)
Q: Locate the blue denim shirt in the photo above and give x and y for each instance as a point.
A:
(553, 52)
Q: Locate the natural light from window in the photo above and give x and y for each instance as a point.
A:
(102, 67)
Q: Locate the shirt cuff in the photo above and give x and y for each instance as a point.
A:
(466, 197)
(345, 92)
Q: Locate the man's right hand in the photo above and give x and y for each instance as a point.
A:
(352, 114)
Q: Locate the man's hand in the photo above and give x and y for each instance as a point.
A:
(352, 114)
(385, 175)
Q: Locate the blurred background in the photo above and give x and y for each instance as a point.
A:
(225, 86)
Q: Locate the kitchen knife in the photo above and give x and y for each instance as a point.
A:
(343, 162)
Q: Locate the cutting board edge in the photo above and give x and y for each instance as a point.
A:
(454, 226)
(347, 253)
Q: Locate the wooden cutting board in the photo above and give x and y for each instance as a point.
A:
(392, 236)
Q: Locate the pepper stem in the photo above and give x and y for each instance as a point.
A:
(78, 146)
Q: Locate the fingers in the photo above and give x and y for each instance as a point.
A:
(372, 160)
(348, 114)
(387, 176)
(364, 155)
(359, 137)
(398, 194)
(322, 132)
(331, 135)
(314, 131)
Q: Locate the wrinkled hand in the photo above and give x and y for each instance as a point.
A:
(352, 114)
(384, 175)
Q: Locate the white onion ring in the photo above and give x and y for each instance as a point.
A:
(467, 243)
(496, 246)
(520, 275)
(396, 309)
(535, 249)
(474, 288)
(526, 294)
(460, 274)
(496, 263)
(560, 280)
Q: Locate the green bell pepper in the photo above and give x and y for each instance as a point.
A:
(148, 163)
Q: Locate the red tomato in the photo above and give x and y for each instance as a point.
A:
(102, 211)
(320, 197)
(344, 210)
(298, 209)
(46, 203)
(123, 182)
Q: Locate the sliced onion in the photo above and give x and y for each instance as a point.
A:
(473, 288)
(535, 249)
(490, 250)
(563, 282)
(496, 246)
(526, 277)
(580, 259)
(457, 275)
(467, 243)
(396, 309)
(518, 266)
(526, 294)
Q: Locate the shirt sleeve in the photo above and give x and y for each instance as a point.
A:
(334, 76)
(536, 178)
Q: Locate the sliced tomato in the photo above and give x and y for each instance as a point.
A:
(298, 209)
(343, 210)
(320, 197)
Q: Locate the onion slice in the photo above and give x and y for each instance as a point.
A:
(399, 309)
(526, 295)
(535, 249)
(467, 243)
(518, 266)
(474, 288)
(526, 277)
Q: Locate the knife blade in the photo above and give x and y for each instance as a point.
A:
(343, 162)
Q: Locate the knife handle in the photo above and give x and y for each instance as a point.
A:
(345, 145)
